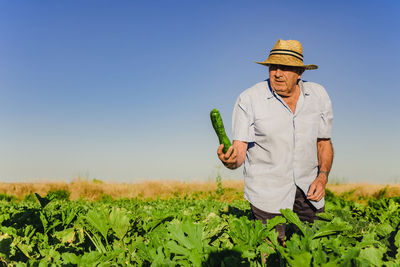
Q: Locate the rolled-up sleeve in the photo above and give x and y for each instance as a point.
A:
(243, 120)
(325, 124)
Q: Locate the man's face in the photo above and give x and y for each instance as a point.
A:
(283, 79)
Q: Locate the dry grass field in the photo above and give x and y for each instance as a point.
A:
(90, 190)
(95, 190)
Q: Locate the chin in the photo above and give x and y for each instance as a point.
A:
(279, 87)
(282, 92)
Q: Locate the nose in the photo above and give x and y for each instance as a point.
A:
(278, 72)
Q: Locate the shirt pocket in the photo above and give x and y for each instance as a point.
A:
(261, 125)
(274, 131)
(307, 126)
(267, 126)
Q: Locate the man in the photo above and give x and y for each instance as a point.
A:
(281, 132)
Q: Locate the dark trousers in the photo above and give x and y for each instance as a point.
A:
(302, 207)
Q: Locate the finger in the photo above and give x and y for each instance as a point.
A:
(311, 190)
(228, 153)
(316, 197)
(312, 197)
(221, 154)
(219, 150)
(319, 193)
(234, 154)
(233, 151)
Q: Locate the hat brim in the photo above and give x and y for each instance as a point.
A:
(306, 67)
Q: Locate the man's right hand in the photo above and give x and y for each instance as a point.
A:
(229, 159)
(235, 156)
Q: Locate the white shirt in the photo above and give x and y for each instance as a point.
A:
(282, 146)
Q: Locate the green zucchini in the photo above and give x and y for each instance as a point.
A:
(218, 125)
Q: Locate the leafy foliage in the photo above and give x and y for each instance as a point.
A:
(193, 232)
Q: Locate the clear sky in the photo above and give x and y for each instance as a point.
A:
(122, 90)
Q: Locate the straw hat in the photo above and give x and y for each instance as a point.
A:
(287, 53)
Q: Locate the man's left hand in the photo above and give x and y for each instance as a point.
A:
(317, 188)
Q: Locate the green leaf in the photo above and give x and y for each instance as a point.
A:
(368, 240)
(335, 226)
(188, 237)
(239, 231)
(42, 200)
(271, 223)
(70, 258)
(5, 245)
(44, 221)
(187, 234)
(319, 256)
(294, 245)
(66, 236)
(96, 240)
(384, 229)
(50, 254)
(196, 258)
(53, 225)
(99, 221)
(397, 244)
(397, 240)
(194, 234)
(68, 215)
(292, 217)
(90, 259)
(119, 222)
(326, 216)
(300, 260)
(177, 249)
(177, 234)
(347, 258)
(372, 255)
(26, 249)
(247, 233)
(266, 248)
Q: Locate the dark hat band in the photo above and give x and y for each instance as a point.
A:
(286, 52)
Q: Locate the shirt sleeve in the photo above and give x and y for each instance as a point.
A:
(325, 124)
(243, 120)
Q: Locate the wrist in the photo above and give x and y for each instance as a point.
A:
(324, 172)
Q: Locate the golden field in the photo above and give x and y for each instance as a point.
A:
(233, 189)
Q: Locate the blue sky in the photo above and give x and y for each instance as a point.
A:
(121, 90)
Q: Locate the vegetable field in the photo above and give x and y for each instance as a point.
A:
(190, 231)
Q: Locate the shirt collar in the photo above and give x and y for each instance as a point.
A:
(304, 89)
(270, 92)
